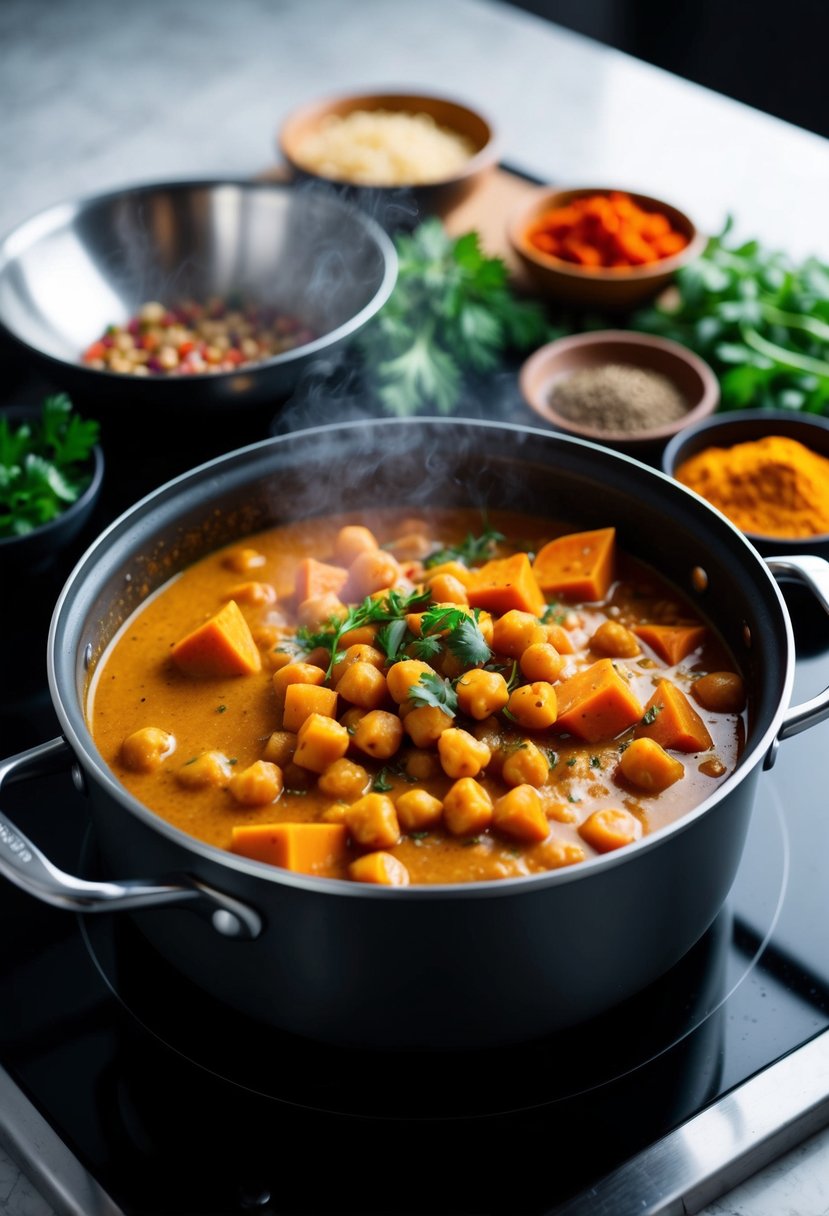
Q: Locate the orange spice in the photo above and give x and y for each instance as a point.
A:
(772, 486)
(605, 231)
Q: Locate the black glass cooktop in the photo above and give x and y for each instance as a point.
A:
(173, 1104)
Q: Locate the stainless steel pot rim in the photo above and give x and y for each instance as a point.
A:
(79, 739)
(45, 221)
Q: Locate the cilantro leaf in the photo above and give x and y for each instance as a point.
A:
(467, 643)
(44, 466)
(431, 689)
(471, 551)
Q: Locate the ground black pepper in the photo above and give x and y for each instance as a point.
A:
(618, 397)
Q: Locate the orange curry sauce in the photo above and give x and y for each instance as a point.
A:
(455, 778)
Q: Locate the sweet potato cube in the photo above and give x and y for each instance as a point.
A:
(302, 700)
(315, 578)
(505, 583)
(673, 643)
(308, 848)
(671, 721)
(596, 704)
(578, 566)
(222, 646)
(320, 741)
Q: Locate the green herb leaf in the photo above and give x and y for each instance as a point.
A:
(649, 715)
(43, 466)
(431, 689)
(472, 551)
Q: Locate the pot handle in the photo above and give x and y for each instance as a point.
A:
(812, 571)
(27, 867)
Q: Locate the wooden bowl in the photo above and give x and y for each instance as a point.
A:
(556, 361)
(404, 204)
(613, 290)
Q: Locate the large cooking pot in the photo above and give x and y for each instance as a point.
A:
(451, 965)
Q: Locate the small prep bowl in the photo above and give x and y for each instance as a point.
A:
(590, 287)
(404, 204)
(744, 426)
(35, 551)
(79, 266)
(557, 360)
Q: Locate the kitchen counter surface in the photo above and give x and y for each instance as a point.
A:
(97, 98)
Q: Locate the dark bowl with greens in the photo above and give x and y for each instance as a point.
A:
(51, 473)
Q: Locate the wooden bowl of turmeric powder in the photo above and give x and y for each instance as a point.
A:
(766, 470)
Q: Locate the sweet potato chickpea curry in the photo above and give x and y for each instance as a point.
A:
(419, 700)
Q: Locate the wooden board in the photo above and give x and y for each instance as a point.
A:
(487, 210)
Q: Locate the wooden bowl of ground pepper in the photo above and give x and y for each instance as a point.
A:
(767, 470)
(626, 390)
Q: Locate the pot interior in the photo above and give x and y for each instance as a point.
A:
(419, 463)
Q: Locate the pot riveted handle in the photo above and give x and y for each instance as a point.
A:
(27, 867)
(813, 572)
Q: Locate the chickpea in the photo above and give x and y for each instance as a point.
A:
(403, 676)
(378, 734)
(352, 540)
(280, 747)
(534, 706)
(418, 810)
(363, 685)
(372, 821)
(425, 724)
(208, 769)
(296, 673)
(467, 808)
(541, 661)
(374, 570)
(648, 766)
(461, 754)
(445, 588)
(382, 868)
(520, 815)
(525, 764)
(420, 765)
(357, 652)
(615, 641)
(609, 829)
(514, 631)
(721, 692)
(258, 784)
(482, 693)
(252, 593)
(241, 561)
(144, 750)
(318, 609)
(344, 779)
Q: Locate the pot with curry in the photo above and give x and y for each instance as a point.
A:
(409, 774)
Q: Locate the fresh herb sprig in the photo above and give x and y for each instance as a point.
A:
(43, 466)
(432, 689)
(390, 608)
(472, 550)
(457, 630)
(452, 312)
(758, 317)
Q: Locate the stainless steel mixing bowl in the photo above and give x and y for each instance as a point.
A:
(69, 272)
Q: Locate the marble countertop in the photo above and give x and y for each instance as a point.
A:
(94, 99)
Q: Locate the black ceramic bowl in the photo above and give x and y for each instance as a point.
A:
(35, 551)
(743, 426)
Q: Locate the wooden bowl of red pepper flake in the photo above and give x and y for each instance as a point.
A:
(609, 249)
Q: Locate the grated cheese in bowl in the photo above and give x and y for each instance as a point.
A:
(384, 148)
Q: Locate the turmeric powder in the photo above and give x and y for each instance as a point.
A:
(772, 486)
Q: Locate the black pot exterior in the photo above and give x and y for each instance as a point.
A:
(471, 964)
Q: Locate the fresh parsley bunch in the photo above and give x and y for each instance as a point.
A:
(44, 467)
(760, 319)
(452, 312)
